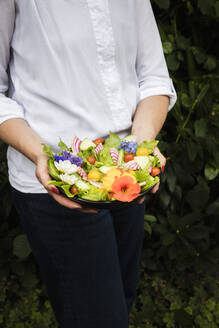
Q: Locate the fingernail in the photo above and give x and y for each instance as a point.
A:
(53, 189)
(163, 168)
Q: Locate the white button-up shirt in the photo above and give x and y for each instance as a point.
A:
(76, 67)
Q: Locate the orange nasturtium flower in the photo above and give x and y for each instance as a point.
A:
(125, 188)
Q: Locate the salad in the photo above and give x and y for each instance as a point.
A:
(104, 170)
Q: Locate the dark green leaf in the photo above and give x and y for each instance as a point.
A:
(201, 127)
(217, 8)
(171, 181)
(164, 4)
(172, 62)
(168, 239)
(211, 171)
(198, 196)
(206, 7)
(147, 227)
(186, 101)
(192, 150)
(199, 54)
(167, 47)
(21, 247)
(165, 199)
(150, 218)
(213, 208)
(197, 233)
(210, 64)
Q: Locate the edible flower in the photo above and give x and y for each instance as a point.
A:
(130, 173)
(109, 178)
(125, 188)
(70, 179)
(128, 146)
(77, 160)
(66, 166)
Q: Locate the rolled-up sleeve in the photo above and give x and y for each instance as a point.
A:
(151, 66)
(8, 107)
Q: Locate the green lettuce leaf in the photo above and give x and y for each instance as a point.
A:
(84, 154)
(66, 189)
(150, 145)
(53, 170)
(150, 181)
(62, 145)
(56, 183)
(142, 174)
(113, 140)
(47, 150)
(95, 194)
(154, 161)
(98, 164)
(105, 157)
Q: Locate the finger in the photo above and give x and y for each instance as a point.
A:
(156, 187)
(65, 201)
(43, 176)
(141, 200)
(161, 157)
(88, 211)
(70, 204)
(42, 173)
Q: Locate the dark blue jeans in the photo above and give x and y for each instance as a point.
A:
(89, 262)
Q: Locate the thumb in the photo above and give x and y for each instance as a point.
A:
(42, 174)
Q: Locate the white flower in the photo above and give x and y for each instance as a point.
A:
(142, 161)
(131, 137)
(70, 179)
(105, 169)
(66, 166)
(86, 144)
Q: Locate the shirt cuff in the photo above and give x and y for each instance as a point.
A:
(157, 87)
(9, 108)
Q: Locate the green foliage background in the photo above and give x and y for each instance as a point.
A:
(178, 284)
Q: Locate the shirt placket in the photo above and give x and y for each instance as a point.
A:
(103, 32)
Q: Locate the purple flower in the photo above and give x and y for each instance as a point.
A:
(128, 146)
(59, 158)
(68, 156)
(76, 160)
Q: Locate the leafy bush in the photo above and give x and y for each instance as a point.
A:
(178, 284)
(23, 299)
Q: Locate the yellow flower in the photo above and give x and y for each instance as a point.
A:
(109, 178)
(142, 152)
(130, 173)
(94, 175)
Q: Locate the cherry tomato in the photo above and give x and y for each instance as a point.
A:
(99, 140)
(128, 157)
(155, 171)
(91, 159)
(74, 190)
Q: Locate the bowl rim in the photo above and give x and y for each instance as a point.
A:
(88, 202)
